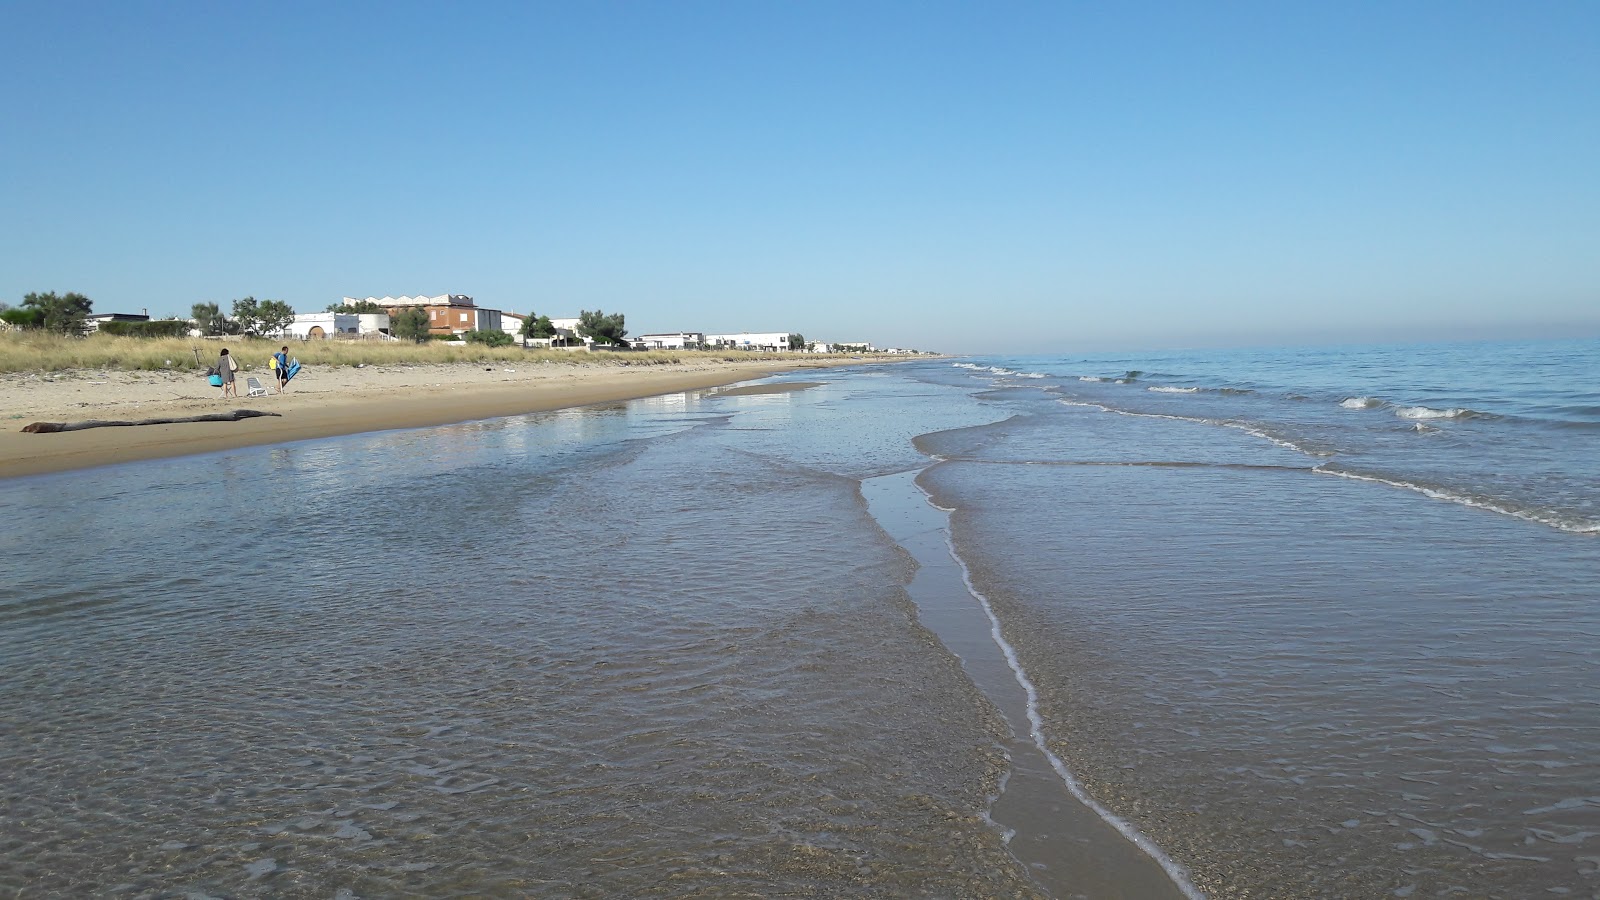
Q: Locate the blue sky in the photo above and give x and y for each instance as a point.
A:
(963, 177)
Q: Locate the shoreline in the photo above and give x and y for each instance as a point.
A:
(323, 402)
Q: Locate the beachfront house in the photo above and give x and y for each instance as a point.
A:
(567, 332)
(447, 313)
(511, 323)
(679, 340)
(95, 320)
(769, 341)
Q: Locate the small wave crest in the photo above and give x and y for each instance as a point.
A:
(1560, 521)
(1428, 412)
(1360, 403)
(1247, 427)
(1090, 378)
(1164, 389)
(999, 370)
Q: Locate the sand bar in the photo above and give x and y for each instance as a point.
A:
(321, 402)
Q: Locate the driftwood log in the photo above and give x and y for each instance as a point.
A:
(53, 427)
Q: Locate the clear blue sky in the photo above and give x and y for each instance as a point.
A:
(964, 177)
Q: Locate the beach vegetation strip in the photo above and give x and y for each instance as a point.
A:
(37, 351)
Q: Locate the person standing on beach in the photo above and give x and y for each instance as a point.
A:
(282, 368)
(226, 367)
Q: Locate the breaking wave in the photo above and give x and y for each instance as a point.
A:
(1431, 412)
(1163, 389)
(1428, 412)
(1360, 403)
(999, 370)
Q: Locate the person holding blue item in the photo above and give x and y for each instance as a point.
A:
(280, 367)
(226, 366)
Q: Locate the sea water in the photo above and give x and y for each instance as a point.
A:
(1294, 623)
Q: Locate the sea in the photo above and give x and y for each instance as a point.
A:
(1287, 622)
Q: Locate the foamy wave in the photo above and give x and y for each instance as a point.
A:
(1426, 412)
(998, 370)
(1360, 403)
(1090, 378)
(1253, 431)
(1013, 373)
(1173, 390)
(1569, 524)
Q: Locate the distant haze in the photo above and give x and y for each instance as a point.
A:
(966, 178)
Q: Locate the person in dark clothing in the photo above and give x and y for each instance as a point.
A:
(226, 367)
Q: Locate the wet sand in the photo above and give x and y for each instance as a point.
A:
(320, 403)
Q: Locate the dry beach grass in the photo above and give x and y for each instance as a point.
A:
(33, 351)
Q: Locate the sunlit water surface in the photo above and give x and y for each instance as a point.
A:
(664, 648)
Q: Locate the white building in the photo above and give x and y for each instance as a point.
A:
(774, 341)
(511, 323)
(567, 331)
(682, 340)
(308, 326)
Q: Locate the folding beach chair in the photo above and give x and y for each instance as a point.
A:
(254, 385)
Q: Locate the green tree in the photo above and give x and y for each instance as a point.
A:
(357, 308)
(208, 318)
(274, 316)
(66, 314)
(537, 327)
(18, 317)
(410, 324)
(247, 313)
(599, 327)
(797, 342)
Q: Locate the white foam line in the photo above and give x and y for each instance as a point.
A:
(1251, 430)
(1436, 494)
(1176, 872)
(1433, 493)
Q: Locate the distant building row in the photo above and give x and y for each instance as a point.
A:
(458, 314)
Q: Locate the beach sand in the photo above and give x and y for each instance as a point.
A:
(321, 402)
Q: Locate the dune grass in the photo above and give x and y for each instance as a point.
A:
(32, 351)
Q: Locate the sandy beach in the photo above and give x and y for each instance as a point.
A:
(321, 402)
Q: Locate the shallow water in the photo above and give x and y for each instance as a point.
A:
(668, 647)
(595, 653)
(1297, 685)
